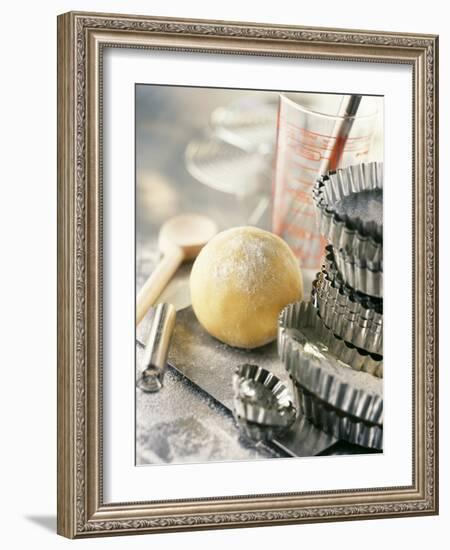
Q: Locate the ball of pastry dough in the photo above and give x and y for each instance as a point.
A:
(240, 282)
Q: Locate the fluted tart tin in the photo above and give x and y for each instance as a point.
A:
(350, 208)
(360, 274)
(303, 316)
(339, 425)
(346, 403)
(263, 407)
(321, 371)
(354, 317)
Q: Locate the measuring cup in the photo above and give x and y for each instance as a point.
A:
(306, 140)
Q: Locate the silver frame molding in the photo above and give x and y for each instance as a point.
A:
(81, 39)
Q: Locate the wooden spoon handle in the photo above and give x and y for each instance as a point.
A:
(157, 281)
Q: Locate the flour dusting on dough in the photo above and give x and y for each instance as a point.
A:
(247, 261)
(239, 283)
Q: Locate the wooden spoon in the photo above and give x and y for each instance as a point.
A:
(180, 238)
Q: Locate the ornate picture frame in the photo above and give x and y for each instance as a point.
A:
(82, 37)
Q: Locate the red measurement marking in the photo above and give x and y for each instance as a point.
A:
(307, 139)
(301, 195)
(296, 231)
(294, 181)
(306, 152)
(298, 147)
(298, 183)
(296, 211)
(316, 242)
(311, 133)
(307, 258)
(298, 186)
(304, 166)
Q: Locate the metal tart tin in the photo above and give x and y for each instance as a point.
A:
(262, 403)
(362, 275)
(340, 425)
(312, 365)
(302, 318)
(337, 399)
(352, 231)
(354, 317)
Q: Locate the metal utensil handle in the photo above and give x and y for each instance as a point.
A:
(157, 348)
(347, 112)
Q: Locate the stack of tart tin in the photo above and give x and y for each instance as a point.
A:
(332, 347)
(348, 293)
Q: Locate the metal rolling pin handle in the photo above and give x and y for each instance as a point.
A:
(157, 349)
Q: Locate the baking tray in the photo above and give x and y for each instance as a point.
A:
(210, 365)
